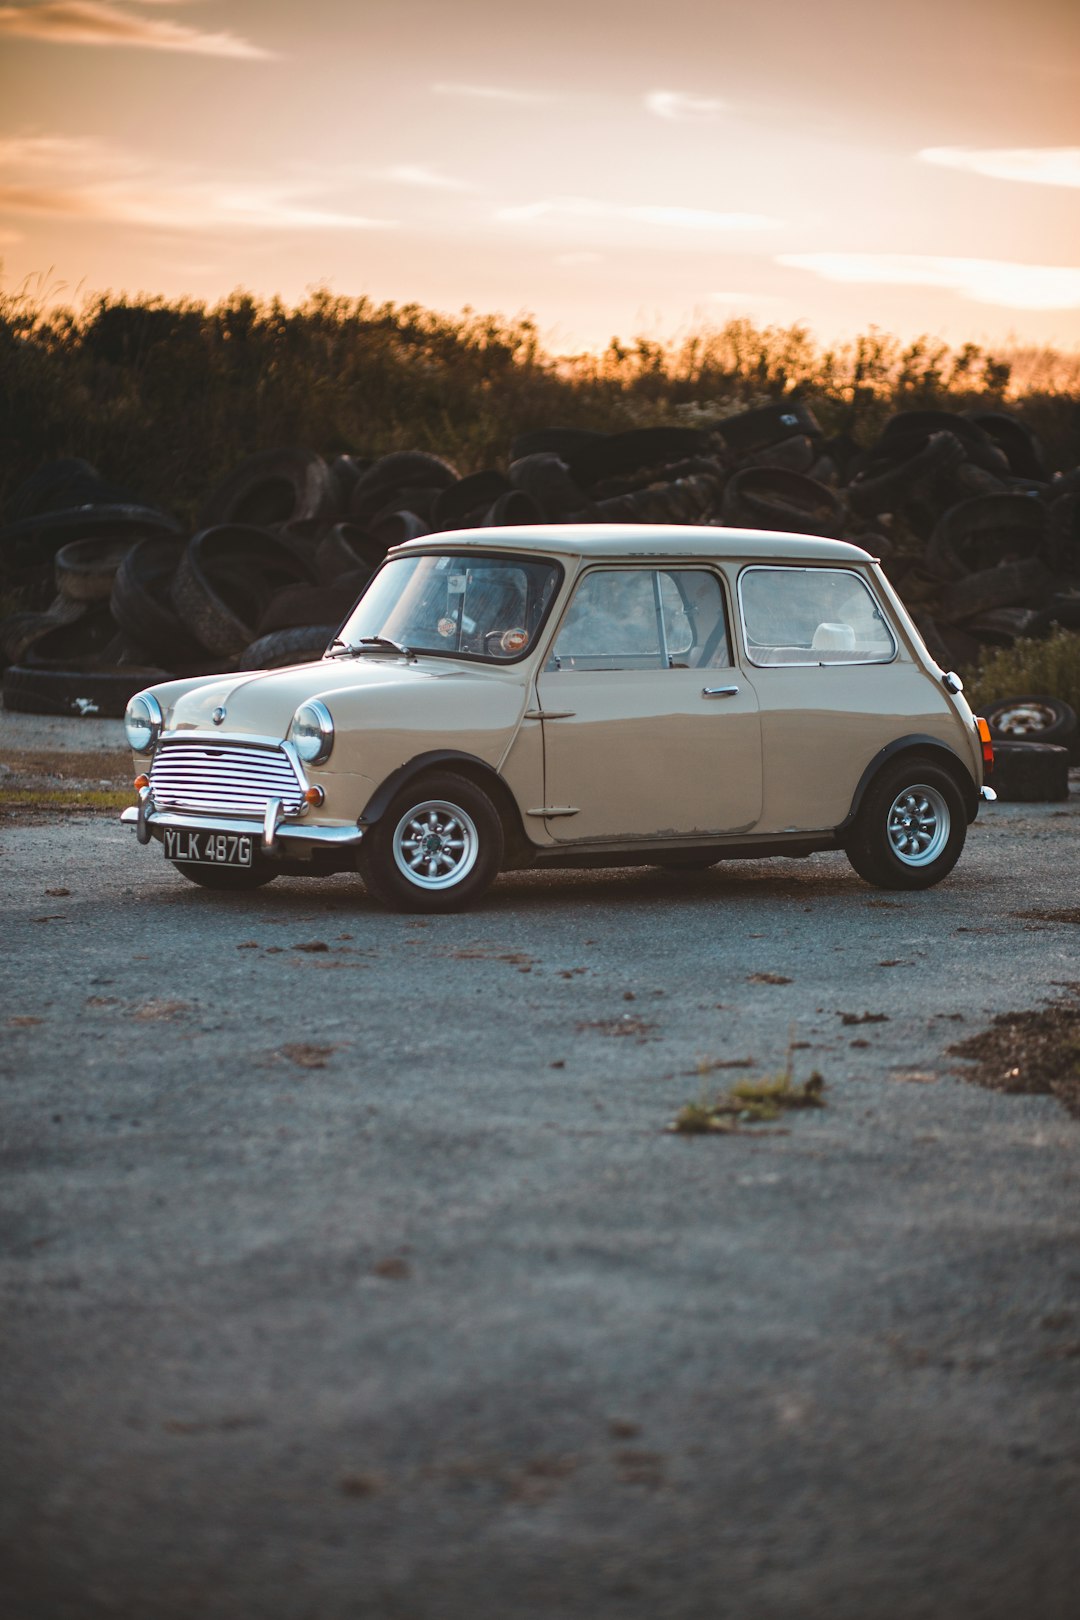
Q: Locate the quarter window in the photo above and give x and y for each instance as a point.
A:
(644, 618)
(812, 616)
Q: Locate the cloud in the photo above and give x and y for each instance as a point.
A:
(416, 174)
(682, 108)
(579, 258)
(985, 281)
(67, 152)
(194, 207)
(490, 92)
(681, 219)
(1037, 165)
(96, 22)
(744, 300)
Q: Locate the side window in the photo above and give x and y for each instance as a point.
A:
(644, 618)
(812, 616)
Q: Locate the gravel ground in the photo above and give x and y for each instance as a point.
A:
(365, 1281)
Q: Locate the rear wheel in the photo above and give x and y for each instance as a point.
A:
(910, 828)
(437, 847)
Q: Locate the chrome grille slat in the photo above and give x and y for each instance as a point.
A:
(223, 777)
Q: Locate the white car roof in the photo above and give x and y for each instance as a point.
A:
(642, 540)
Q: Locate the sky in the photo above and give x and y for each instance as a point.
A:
(607, 168)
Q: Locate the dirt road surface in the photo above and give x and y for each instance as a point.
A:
(348, 1269)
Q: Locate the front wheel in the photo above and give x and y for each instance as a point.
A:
(225, 877)
(910, 828)
(437, 847)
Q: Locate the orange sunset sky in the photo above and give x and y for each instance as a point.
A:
(607, 167)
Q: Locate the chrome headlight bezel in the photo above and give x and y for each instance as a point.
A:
(143, 722)
(311, 732)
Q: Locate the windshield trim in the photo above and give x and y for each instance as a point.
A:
(455, 655)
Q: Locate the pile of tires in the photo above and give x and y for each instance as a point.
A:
(1035, 738)
(980, 540)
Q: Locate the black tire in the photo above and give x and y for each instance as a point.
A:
(142, 606)
(910, 827)
(688, 500)
(282, 648)
(1016, 584)
(226, 877)
(395, 528)
(772, 498)
(85, 569)
(512, 510)
(345, 550)
(273, 488)
(559, 441)
(19, 631)
(979, 448)
(768, 424)
(36, 540)
(986, 530)
(796, 454)
(1000, 627)
(1031, 719)
(895, 471)
(300, 605)
(403, 469)
(90, 694)
(461, 810)
(618, 453)
(56, 486)
(477, 492)
(225, 579)
(1030, 773)
(546, 480)
(1015, 440)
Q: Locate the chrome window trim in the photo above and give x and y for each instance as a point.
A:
(815, 663)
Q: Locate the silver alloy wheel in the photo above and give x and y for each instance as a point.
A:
(918, 825)
(436, 844)
(1027, 719)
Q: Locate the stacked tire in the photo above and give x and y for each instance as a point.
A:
(981, 541)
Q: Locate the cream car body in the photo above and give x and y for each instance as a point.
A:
(706, 745)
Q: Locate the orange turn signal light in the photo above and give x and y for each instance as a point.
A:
(987, 745)
(314, 796)
(141, 782)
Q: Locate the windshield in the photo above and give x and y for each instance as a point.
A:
(462, 606)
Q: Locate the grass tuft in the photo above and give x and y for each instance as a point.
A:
(748, 1102)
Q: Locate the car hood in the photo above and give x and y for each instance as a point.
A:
(263, 702)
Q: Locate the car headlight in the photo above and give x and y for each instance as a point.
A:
(143, 721)
(312, 732)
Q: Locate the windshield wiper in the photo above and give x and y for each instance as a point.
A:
(373, 644)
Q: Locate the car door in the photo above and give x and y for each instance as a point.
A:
(649, 730)
(833, 683)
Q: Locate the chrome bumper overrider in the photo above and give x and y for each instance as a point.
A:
(149, 822)
(988, 794)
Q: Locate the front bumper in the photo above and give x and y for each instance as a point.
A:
(272, 832)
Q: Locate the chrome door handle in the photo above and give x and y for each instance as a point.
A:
(719, 691)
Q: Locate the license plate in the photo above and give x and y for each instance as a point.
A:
(206, 848)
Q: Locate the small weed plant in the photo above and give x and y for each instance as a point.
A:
(748, 1102)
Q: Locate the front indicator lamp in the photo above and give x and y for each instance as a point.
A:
(312, 732)
(143, 722)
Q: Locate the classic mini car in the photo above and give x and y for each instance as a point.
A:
(574, 696)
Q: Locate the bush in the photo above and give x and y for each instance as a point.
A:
(1046, 668)
(166, 398)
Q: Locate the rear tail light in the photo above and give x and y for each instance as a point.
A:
(987, 745)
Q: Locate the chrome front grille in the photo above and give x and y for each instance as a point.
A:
(228, 778)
